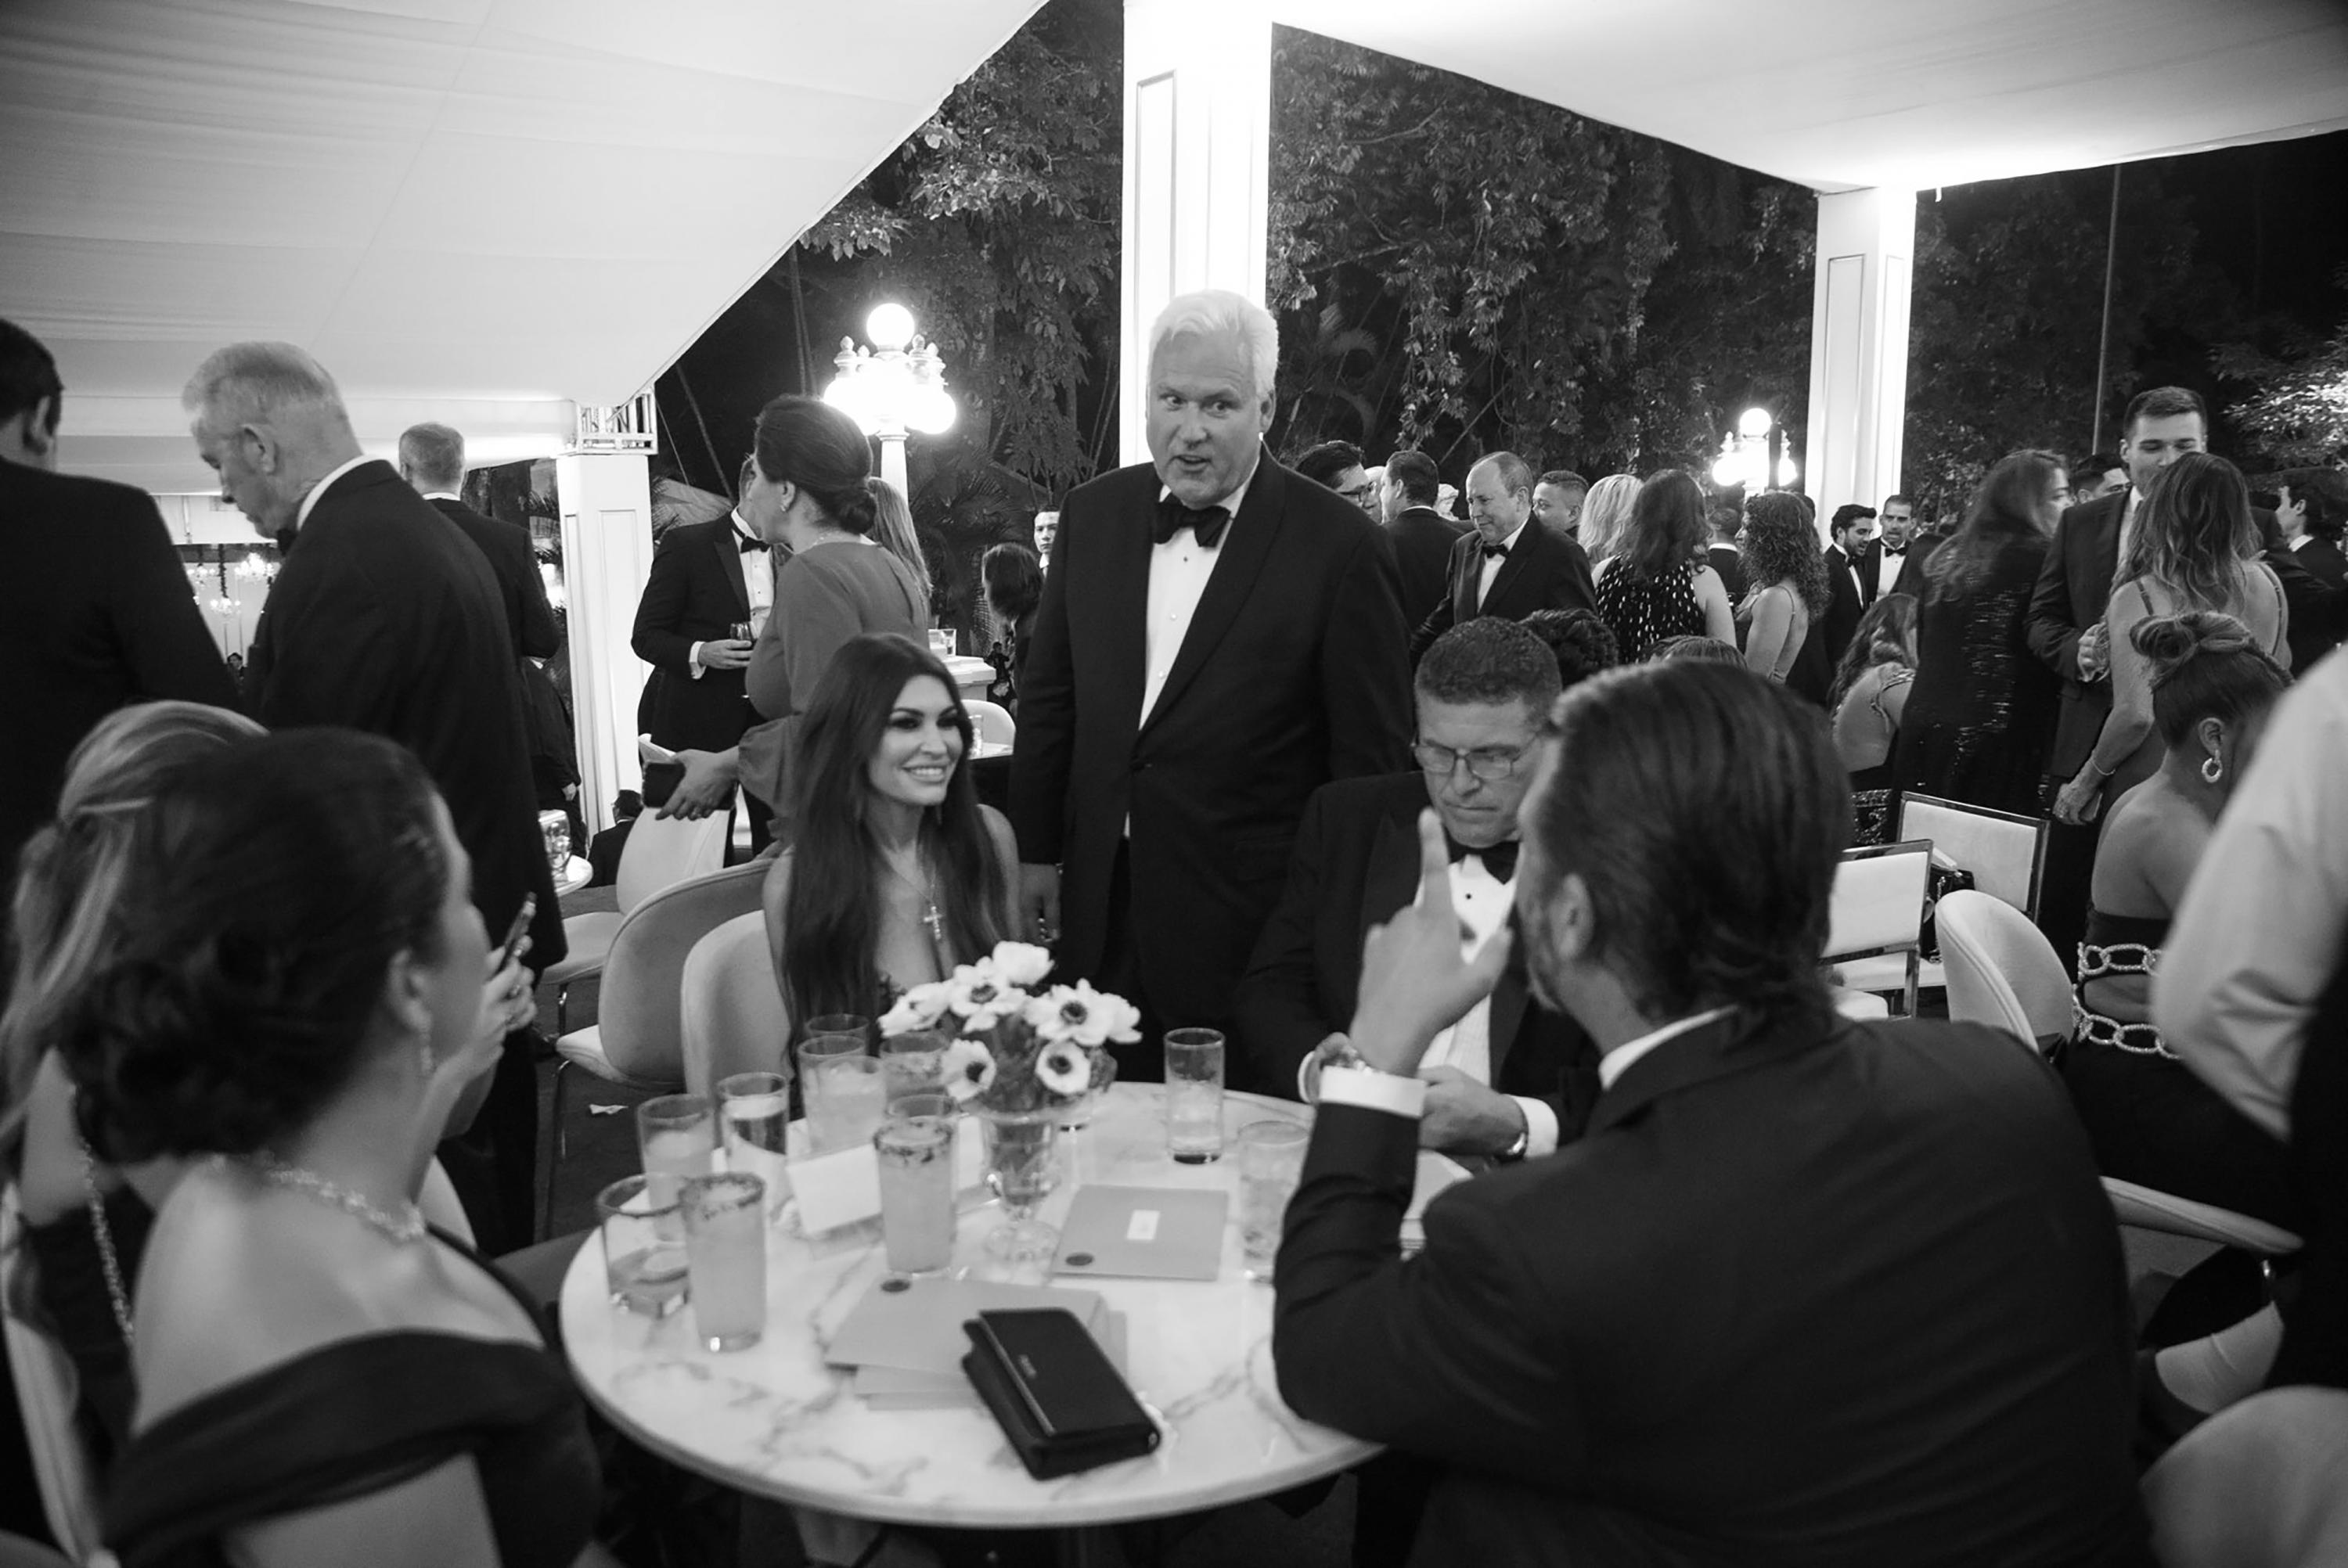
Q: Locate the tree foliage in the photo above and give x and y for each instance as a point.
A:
(997, 224)
(2296, 413)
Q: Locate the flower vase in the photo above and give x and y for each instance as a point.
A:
(1022, 1168)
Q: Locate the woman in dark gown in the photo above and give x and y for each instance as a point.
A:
(322, 1377)
(1982, 712)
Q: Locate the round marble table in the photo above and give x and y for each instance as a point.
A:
(775, 1420)
(575, 874)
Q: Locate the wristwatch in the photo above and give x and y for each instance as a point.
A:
(1515, 1151)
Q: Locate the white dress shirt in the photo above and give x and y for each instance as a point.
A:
(1482, 902)
(1178, 570)
(2259, 931)
(1617, 1062)
(1492, 564)
(310, 501)
(757, 577)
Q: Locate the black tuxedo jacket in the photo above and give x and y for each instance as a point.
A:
(1290, 674)
(1730, 564)
(1844, 608)
(2074, 586)
(1806, 1292)
(696, 592)
(1356, 862)
(384, 619)
(1423, 538)
(1543, 571)
(529, 619)
(94, 612)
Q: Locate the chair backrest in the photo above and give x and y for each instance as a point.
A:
(2005, 853)
(45, 1395)
(1877, 904)
(732, 1012)
(994, 723)
(2000, 968)
(663, 851)
(639, 1009)
(2260, 1484)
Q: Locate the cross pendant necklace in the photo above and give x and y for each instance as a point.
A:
(925, 886)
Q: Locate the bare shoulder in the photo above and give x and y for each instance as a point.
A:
(1000, 836)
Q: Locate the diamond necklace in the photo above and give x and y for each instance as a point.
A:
(404, 1227)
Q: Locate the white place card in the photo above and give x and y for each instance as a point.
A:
(843, 1188)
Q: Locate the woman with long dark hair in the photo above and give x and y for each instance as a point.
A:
(1981, 713)
(1786, 578)
(896, 873)
(1869, 698)
(1014, 586)
(2194, 546)
(1659, 584)
(809, 485)
(322, 1377)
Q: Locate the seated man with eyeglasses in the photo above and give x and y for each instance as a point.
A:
(1511, 1078)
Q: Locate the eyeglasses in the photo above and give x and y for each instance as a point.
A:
(1488, 765)
(1360, 493)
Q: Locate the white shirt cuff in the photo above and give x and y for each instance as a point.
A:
(1373, 1091)
(693, 662)
(1540, 1125)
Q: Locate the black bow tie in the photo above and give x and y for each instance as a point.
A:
(1205, 523)
(1496, 552)
(749, 544)
(1499, 859)
(286, 538)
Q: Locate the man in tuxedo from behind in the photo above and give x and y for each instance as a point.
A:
(1422, 537)
(1723, 554)
(95, 611)
(432, 461)
(1513, 1078)
(707, 580)
(386, 619)
(1503, 566)
(1806, 1290)
(1219, 637)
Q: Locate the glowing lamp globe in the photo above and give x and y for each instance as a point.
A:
(889, 326)
(1753, 423)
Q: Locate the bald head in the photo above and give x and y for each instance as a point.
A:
(432, 458)
(269, 421)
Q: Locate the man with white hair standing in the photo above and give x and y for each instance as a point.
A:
(1219, 637)
(387, 619)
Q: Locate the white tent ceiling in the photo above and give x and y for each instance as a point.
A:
(475, 211)
(1907, 94)
(478, 210)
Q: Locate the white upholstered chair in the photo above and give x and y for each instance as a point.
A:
(733, 1019)
(1876, 918)
(661, 852)
(2260, 1484)
(2005, 853)
(992, 722)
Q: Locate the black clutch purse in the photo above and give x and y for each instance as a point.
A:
(661, 780)
(1059, 1398)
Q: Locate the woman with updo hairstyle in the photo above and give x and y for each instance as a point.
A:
(810, 487)
(2193, 546)
(1660, 582)
(2212, 684)
(287, 1007)
(71, 884)
(896, 873)
(1785, 581)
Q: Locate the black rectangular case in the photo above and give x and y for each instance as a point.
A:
(1059, 1398)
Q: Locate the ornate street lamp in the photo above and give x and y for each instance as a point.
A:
(897, 385)
(1745, 456)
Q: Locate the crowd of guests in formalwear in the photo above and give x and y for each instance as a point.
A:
(1512, 840)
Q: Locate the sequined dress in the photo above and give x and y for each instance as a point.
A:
(1643, 611)
(1981, 713)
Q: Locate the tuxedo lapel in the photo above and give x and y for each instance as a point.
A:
(1122, 606)
(1239, 565)
(1530, 541)
(1508, 998)
(2103, 542)
(1391, 880)
(728, 546)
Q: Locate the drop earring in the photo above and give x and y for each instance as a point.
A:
(2212, 770)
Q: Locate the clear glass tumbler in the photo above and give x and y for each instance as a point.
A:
(677, 1134)
(916, 1156)
(913, 1063)
(755, 1109)
(726, 1252)
(643, 1247)
(1194, 1095)
(1271, 1161)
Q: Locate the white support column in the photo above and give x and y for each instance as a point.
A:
(606, 503)
(1197, 144)
(1858, 348)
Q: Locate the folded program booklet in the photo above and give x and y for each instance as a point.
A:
(895, 1388)
(1144, 1233)
(918, 1329)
